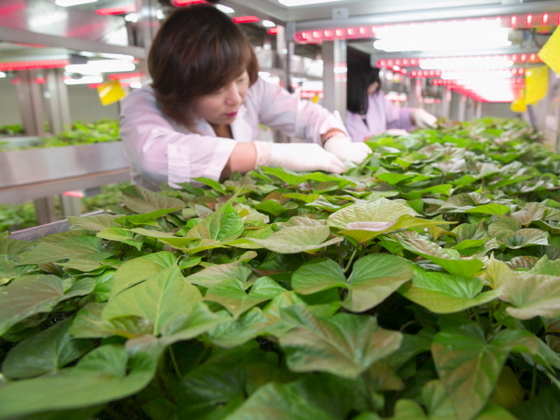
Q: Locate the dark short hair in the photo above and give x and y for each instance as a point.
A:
(197, 51)
(360, 76)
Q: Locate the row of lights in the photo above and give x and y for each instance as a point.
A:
(512, 21)
(417, 74)
(415, 62)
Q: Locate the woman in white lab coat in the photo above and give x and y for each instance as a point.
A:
(200, 116)
(369, 112)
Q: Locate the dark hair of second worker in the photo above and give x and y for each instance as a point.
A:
(360, 76)
(197, 51)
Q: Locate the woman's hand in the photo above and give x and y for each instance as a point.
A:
(341, 146)
(297, 157)
(423, 119)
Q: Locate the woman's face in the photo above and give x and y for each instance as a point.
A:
(220, 107)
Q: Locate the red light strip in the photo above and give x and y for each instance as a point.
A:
(129, 8)
(119, 76)
(245, 19)
(272, 31)
(32, 65)
(437, 73)
(186, 2)
(415, 62)
(317, 36)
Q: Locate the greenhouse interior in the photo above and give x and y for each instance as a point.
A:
(300, 210)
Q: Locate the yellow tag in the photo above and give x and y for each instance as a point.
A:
(110, 92)
(519, 104)
(550, 52)
(536, 84)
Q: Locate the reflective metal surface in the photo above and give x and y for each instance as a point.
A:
(20, 167)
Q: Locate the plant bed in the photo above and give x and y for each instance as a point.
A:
(421, 284)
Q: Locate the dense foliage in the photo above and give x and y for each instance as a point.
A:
(79, 132)
(15, 217)
(421, 284)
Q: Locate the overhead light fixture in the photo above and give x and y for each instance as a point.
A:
(95, 67)
(69, 3)
(85, 80)
(224, 9)
(442, 36)
(268, 23)
(466, 63)
(293, 3)
(315, 36)
(2, 75)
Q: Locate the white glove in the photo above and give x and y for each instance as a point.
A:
(396, 132)
(297, 157)
(341, 145)
(423, 119)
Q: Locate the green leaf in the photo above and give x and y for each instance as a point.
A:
(492, 209)
(121, 235)
(445, 293)
(295, 239)
(45, 352)
(364, 231)
(232, 296)
(532, 295)
(159, 299)
(225, 224)
(186, 326)
(146, 218)
(525, 237)
(380, 210)
(433, 252)
(35, 294)
(89, 323)
(218, 273)
(469, 364)
(105, 374)
(373, 279)
(275, 401)
(94, 223)
(345, 344)
(142, 200)
(212, 183)
(76, 247)
(139, 269)
(238, 331)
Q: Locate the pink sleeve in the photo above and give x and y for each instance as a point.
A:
(159, 153)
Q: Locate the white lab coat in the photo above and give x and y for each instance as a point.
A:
(162, 151)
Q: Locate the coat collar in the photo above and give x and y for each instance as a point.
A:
(241, 129)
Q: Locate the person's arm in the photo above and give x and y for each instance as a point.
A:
(305, 120)
(160, 151)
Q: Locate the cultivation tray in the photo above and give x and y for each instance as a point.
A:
(17, 142)
(35, 173)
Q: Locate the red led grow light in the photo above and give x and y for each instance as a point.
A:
(129, 8)
(529, 20)
(245, 19)
(186, 2)
(32, 65)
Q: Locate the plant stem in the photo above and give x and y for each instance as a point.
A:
(369, 392)
(350, 260)
(534, 381)
(174, 361)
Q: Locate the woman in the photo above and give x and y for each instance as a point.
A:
(200, 115)
(369, 112)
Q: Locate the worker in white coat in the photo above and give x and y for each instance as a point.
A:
(200, 115)
(369, 112)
